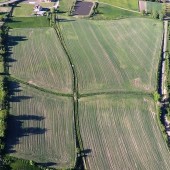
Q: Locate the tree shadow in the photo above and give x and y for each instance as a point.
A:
(11, 42)
(48, 164)
(16, 131)
(86, 152)
(13, 87)
(65, 20)
(18, 123)
(61, 12)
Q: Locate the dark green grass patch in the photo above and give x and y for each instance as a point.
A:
(28, 22)
(110, 12)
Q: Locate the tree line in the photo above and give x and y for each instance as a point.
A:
(3, 93)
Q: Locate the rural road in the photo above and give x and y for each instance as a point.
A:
(163, 88)
(163, 83)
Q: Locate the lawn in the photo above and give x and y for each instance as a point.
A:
(38, 58)
(27, 10)
(116, 56)
(128, 4)
(40, 127)
(110, 12)
(121, 132)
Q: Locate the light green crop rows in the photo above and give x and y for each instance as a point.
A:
(41, 127)
(122, 133)
(114, 55)
(38, 58)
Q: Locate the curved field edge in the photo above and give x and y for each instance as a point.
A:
(41, 127)
(37, 57)
(121, 132)
(115, 55)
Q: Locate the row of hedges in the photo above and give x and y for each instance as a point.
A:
(3, 107)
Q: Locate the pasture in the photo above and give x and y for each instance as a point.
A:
(41, 127)
(116, 56)
(27, 22)
(128, 4)
(110, 12)
(38, 58)
(121, 132)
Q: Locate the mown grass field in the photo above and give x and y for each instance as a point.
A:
(38, 58)
(28, 22)
(114, 55)
(129, 4)
(121, 132)
(41, 127)
(110, 12)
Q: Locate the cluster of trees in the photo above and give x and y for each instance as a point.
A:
(156, 1)
(155, 14)
(3, 109)
(52, 16)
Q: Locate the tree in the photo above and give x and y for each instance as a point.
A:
(156, 96)
(155, 14)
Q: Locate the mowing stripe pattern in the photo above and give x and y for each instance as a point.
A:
(37, 57)
(115, 56)
(122, 133)
(41, 127)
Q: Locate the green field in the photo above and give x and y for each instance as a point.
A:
(110, 12)
(41, 127)
(23, 10)
(66, 5)
(129, 4)
(114, 55)
(38, 58)
(27, 22)
(121, 132)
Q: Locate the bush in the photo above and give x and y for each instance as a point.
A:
(155, 14)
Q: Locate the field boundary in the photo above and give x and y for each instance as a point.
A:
(116, 93)
(39, 88)
(79, 143)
